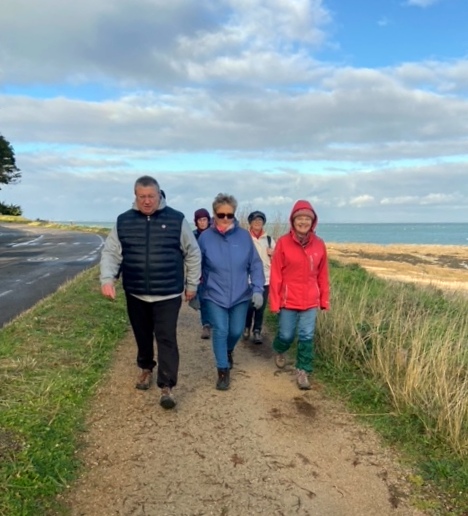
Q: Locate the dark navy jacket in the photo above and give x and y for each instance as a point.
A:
(153, 263)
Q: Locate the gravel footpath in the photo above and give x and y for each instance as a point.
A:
(263, 447)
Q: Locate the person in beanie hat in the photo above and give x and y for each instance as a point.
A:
(264, 245)
(201, 218)
(299, 287)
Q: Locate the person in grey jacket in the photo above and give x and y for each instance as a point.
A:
(153, 249)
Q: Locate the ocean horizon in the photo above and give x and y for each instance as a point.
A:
(368, 233)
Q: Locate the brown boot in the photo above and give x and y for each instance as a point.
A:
(280, 360)
(206, 332)
(144, 379)
(223, 380)
(302, 379)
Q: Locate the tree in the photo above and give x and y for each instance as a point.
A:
(9, 172)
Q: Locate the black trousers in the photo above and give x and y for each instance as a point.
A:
(156, 321)
(257, 315)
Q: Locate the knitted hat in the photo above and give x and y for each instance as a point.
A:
(199, 214)
(304, 212)
(256, 215)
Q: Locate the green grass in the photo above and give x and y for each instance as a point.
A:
(398, 355)
(51, 360)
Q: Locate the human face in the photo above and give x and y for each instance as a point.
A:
(302, 225)
(222, 221)
(147, 199)
(256, 225)
(202, 223)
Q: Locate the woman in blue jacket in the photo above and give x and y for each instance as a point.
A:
(229, 261)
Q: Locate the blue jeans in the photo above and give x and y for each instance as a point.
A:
(304, 322)
(227, 325)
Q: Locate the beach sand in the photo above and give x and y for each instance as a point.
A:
(445, 267)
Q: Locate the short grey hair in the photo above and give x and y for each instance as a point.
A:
(146, 181)
(224, 198)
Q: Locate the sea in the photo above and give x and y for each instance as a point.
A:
(401, 233)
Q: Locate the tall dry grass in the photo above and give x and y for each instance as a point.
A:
(410, 340)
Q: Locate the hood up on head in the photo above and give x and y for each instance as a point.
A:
(302, 207)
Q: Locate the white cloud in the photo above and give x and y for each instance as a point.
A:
(422, 3)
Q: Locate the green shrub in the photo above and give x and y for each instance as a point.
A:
(10, 209)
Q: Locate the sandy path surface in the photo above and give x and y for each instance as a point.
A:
(263, 447)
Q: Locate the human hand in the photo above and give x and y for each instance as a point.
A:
(108, 290)
(190, 294)
(257, 300)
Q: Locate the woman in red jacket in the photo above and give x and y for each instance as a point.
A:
(299, 286)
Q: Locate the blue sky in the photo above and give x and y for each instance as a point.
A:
(360, 107)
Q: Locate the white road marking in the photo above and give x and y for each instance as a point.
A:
(43, 259)
(29, 242)
(5, 293)
(38, 278)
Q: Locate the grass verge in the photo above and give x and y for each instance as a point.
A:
(398, 355)
(51, 359)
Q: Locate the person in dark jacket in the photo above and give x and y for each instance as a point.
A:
(229, 259)
(201, 219)
(153, 249)
(299, 287)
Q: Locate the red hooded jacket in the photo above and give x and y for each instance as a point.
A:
(299, 273)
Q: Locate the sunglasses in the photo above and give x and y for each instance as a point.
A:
(224, 215)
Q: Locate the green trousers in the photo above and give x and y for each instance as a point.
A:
(304, 354)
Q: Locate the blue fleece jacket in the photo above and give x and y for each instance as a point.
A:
(231, 267)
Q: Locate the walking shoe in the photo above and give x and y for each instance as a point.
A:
(280, 360)
(230, 359)
(246, 334)
(144, 379)
(206, 332)
(167, 399)
(257, 337)
(302, 380)
(223, 380)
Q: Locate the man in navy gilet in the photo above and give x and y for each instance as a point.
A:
(153, 249)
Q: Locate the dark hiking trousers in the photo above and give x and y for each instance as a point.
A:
(156, 321)
(257, 314)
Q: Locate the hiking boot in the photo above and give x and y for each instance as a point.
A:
(230, 360)
(167, 399)
(206, 332)
(144, 379)
(246, 334)
(257, 337)
(302, 380)
(280, 360)
(223, 380)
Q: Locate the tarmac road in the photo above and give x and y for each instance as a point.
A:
(35, 261)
